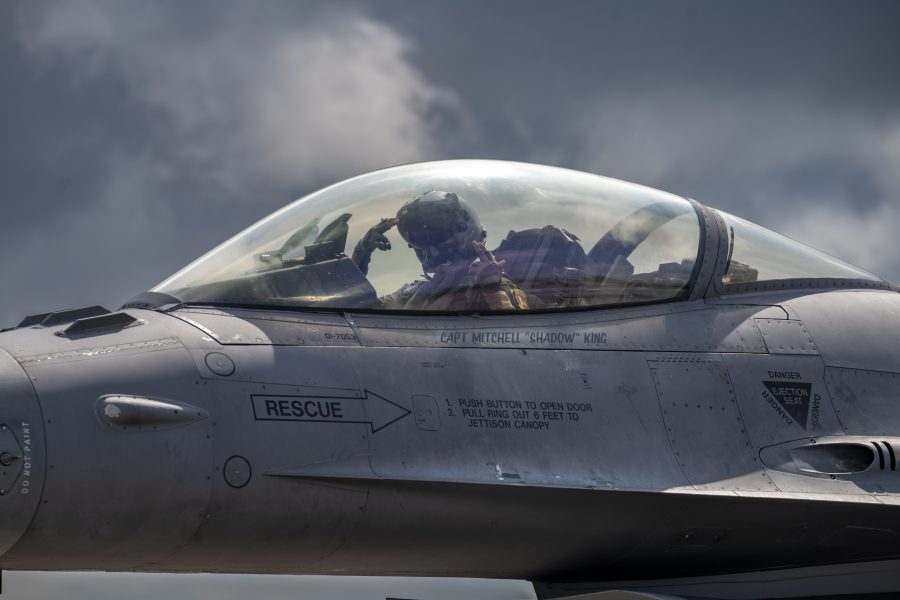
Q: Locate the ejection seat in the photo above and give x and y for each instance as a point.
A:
(547, 264)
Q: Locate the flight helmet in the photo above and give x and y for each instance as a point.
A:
(440, 228)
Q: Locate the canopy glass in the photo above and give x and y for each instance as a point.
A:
(410, 238)
(759, 254)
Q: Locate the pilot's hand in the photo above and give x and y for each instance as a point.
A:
(486, 269)
(375, 238)
(372, 241)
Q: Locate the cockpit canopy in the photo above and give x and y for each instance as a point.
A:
(552, 239)
(759, 254)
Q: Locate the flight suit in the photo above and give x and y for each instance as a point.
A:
(453, 287)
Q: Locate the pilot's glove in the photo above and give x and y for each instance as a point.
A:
(486, 270)
(494, 293)
(373, 240)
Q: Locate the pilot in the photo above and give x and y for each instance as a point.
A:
(460, 273)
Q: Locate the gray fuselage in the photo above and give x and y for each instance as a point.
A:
(754, 431)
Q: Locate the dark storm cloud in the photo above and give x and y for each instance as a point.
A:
(786, 113)
(145, 133)
(158, 130)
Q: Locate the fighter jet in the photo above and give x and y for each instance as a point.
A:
(472, 369)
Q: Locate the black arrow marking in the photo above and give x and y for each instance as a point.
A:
(366, 408)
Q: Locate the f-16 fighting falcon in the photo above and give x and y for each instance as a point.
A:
(474, 369)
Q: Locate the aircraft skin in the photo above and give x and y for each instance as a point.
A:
(753, 431)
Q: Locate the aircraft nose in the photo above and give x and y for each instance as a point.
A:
(21, 452)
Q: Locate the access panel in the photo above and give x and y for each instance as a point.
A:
(704, 424)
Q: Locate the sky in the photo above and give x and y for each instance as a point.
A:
(138, 135)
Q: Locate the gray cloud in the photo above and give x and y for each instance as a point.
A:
(199, 130)
(249, 97)
(205, 120)
(823, 176)
(785, 113)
